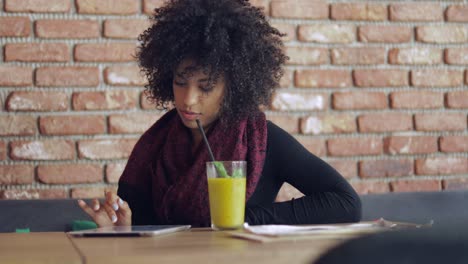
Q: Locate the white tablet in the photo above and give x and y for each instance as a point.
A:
(150, 230)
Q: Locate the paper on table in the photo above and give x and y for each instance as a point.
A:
(285, 230)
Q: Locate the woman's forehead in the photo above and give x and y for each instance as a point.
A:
(189, 68)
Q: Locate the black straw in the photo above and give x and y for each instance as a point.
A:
(205, 139)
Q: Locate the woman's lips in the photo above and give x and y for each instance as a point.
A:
(189, 115)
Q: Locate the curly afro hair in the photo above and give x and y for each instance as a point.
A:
(229, 37)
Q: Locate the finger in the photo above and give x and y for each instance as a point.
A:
(96, 205)
(124, 209)
(112, 200)
(110, 212)
(86, 208)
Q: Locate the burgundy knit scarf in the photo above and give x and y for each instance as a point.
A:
(178, 176)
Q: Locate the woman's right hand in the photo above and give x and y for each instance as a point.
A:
(112, 212)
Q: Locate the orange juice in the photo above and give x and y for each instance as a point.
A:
(227, 202)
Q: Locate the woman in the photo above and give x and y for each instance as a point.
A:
(218, 61)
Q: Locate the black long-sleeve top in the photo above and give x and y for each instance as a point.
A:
(328, 196)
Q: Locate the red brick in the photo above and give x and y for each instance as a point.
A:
(15, 125)
(66, 28)
(67, 76)
(368, 187)
(307, 55)
(125, 28)
(287, 122)
(422, 11)
(69, 173)
(440, 121)
(323, 78)
(324, 124)
(317, 9)
(415, 186)
(150, 5)
(106, 148)
(385, 122)
(132, 123)
(441, 165)
(410, 145)
(313, 145)
(114, 171)
(454, 144)
(287, 192)
(384, 33)
(3, 150)
(105, 100)
(354, 146)
(455, 184)
(107, 7)
(37, 101)
(37, 52)
(15, 27)
(33, 194)
(295, 101)
(70, 125)
(124, 75)
(43, 150)
(327, 33)
(90, 192)
(380, 78)
(415, 56)
(359, 11)
(436, 78)
(15, 76)
(359, 100)
(458, 99)
(105, 52)
(287, 79)
(442, 34)
(16, 174)
(385, 168)
(347, 168)
(288, 29)
(456, 56)
(416, 100)
(365, 56)
(38, 6)
(457, 13)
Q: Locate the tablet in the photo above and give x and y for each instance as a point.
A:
(132, 231)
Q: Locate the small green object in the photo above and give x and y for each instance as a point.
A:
(221, 170)
(22, 230)
(79, 225)
(237, 173)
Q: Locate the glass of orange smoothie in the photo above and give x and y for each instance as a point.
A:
(226, 188)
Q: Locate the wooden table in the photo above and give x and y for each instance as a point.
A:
(194, 246)
(201, 246)
(38, 248)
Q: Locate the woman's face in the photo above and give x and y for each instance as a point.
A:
(194, 99)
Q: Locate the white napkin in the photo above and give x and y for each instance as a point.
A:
(283, 230)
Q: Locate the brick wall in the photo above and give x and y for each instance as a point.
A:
(378, 89)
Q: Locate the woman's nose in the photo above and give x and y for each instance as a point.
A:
(191, 96)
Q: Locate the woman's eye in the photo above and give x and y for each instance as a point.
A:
(206, 90)
(179, 83)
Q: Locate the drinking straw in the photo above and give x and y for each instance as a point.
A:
(218, 165)
(204, 139)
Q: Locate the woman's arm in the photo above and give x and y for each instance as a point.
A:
(329, 198)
